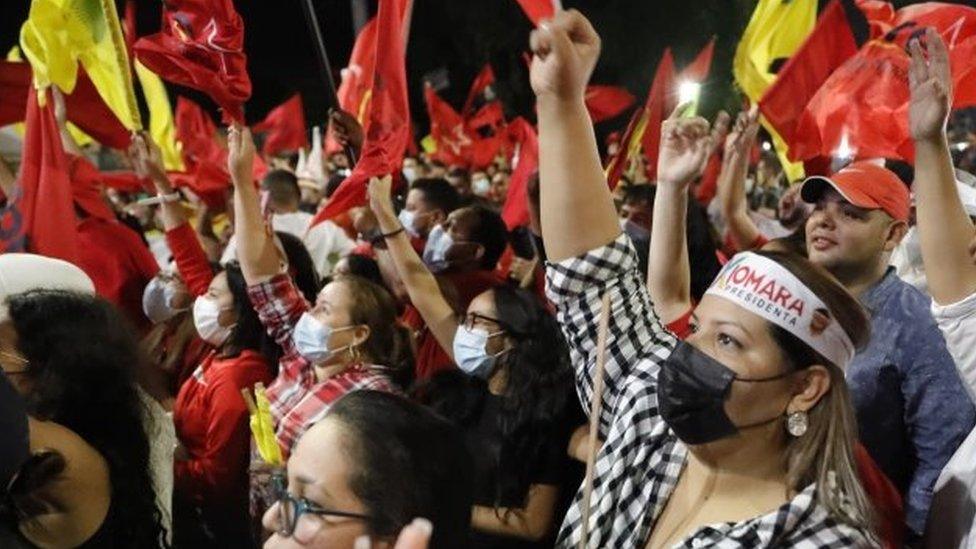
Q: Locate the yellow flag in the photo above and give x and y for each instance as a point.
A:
(161, 125)
(81, 138)
(59, 34)
(775, 31)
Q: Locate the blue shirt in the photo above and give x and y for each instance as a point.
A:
(912, 409)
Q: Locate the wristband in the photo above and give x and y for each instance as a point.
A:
(159, 199)
(391, 235)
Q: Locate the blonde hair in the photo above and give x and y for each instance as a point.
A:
(824, 455)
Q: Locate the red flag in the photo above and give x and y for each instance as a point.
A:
(698, 70)
(357, 77)
(833, 41)
(606, 102)
(85, 106)
(447, 128)
(285, 127)
(866, 99)
(515, 212)
(629, 141)
(657, 107)
(387, 125)
(538, 10)
(46, 201)
(201, 46)
(479, 88)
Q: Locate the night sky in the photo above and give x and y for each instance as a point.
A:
(459, 36)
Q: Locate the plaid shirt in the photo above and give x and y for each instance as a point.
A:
(640, 463)
(298, 400)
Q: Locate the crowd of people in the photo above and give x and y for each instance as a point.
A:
(768, 364)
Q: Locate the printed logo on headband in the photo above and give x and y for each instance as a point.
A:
(760, 289)
(766, 288)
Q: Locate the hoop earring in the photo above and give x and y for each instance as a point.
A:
(797, 423)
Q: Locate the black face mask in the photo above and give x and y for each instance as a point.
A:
(691, 391)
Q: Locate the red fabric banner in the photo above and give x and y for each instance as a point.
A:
(201, 46)
(515, 212)
(387, 126)
(606, 102)
(285, 127)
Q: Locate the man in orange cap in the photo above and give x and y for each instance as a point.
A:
(912, 408)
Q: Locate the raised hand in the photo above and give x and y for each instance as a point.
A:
(346, 129)
(685, 146)
(930, 82)
(240, 153)
(565, 50)
(720, 129)
(743, 135)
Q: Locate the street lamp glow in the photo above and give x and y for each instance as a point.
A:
(844, 150)
(688, 92)
(767, 146)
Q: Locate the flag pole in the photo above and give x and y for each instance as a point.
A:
(325, 68)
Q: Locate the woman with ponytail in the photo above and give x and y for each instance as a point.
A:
(513, 395)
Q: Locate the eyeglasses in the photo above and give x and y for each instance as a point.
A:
(291, 509)
(471, 319)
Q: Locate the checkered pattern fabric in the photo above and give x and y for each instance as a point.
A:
(640, 463)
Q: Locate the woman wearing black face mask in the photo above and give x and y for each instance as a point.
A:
(741, 438)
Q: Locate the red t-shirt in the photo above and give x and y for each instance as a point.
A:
(211, 422)
(431, 358)
(880, 490)
(119, 264)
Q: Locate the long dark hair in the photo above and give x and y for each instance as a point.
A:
(411, 463)
(538, 389)
(248, 333)
(81, 363)
(300, 265)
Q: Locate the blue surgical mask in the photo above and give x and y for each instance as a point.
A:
(481, 186)
(635, 231)
(435, 252)
(311, 339)
(471, 354)
(157, 301)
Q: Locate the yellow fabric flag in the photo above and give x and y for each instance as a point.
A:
(58, 34)
(161, 125)
(776, 30)
(262, 426)
(81, 138)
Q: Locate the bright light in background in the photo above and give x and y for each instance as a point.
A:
(961, 146)
(688, 91)
(767, 146)
(844, 150)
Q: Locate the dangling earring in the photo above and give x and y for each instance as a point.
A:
(797, 423)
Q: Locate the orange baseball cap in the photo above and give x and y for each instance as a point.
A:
(865, 185)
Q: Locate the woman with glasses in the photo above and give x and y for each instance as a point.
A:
(372, 465)
(515, 401)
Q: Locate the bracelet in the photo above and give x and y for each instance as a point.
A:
(159, 199)
(391, 235)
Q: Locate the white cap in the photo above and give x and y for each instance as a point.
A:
(21, 273)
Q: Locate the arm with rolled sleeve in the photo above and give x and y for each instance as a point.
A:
(939, 415)
(576, 287)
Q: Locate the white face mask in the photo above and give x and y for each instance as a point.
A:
(157, 301)
(471, 354)
(410, 174)
(206, 312)
(311, 339)
(481, 186)
(407, 219)
(435, 252)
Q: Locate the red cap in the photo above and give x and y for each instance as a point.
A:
(865, 185)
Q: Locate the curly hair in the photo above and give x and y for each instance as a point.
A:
(81, 362)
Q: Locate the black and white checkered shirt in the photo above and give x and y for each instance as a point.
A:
(639, 464)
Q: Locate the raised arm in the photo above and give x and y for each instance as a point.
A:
(256, 251)
(944, 228)
(731, 183)
(68, 143)
(577, 209)
(685, 147)
(190, 258)
(421, 285)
